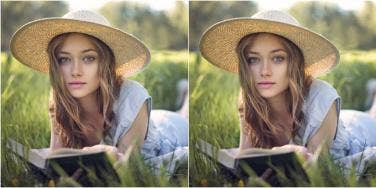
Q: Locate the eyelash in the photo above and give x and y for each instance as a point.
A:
(61, 59)
(86, 59)
(277, 58)
(281, 58)
(249, 60)
(90, 59)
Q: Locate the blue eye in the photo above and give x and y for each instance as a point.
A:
(278, 59)
(89, 59)
(252, 60)
(63, 60)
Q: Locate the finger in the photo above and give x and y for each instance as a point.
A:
(267, 173)
(77, 174)
(85, 148)
(309, 156)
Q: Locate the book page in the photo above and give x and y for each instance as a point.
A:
(67, 152)
(222, 156)
(254, 152)
(34, 156)
(38, 157)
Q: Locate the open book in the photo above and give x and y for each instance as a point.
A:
(65, 162)
(258, 159)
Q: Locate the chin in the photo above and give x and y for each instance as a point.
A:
(77, 95)
(272, 94)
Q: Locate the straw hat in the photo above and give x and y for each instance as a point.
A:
(29, 43)
(218, 44)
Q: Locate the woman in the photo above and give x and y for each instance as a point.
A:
(281, 103)
(92, 104)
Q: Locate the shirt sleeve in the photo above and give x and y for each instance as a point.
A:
(318, 102)
(131, 98)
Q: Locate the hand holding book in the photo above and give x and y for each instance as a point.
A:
(300, 150)
(76, 163)
(110, 150)
(264, 162)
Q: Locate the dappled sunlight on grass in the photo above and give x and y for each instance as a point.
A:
(214, 118)
(25, 118)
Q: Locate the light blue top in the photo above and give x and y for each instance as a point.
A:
(167, 133)
(355, 133)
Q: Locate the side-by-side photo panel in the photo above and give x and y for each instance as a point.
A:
(94, 93)
(282, 93)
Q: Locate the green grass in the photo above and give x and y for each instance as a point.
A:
(24, 117)
(213, 117)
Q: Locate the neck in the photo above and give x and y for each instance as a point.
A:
(279, 106)
(89, 105)
(281, 117)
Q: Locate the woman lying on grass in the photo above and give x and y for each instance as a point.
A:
(281, 103)
(92, 105)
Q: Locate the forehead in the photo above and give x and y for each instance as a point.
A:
(266, 41)
(77, 41)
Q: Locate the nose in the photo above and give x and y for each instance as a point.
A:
(266, 69)
(76, 69)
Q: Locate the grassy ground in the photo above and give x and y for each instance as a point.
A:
(24, 101)
(213, 117)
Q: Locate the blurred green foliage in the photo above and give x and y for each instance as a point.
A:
(347, 29)
(161, 78)
(350, 77)
(159, 29)
(24, 115)
(203, 14)
(214, 117)
(14, 14)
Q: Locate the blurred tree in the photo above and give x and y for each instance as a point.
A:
(158, 29)
(203, 14)
(367, 18)
(341, 27)
(179, 19)
(14, 14)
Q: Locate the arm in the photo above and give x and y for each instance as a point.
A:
(135, 135)
(55, 141)
(137, 131)
(326, 132)
(324, 135)
(244, 142)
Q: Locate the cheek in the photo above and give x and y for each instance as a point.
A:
(94, 71)
(64, 71)
(95, 76)
(252, 70)
(282, 71)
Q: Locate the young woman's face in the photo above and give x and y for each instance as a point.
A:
(267, 60)
(78, 61)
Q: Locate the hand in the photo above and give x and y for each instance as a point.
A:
(266, 174)
(110, 150)
(301, 150)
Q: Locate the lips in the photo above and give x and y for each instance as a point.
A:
(265, 84)
(76, 84)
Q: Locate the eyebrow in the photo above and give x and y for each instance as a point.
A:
(273, 51)
(83, 51)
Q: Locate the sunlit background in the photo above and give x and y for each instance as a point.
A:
(348, 24)
(89, 4)
(160, 24)
(163, 24)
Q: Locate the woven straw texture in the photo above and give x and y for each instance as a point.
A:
(29, 44)
(218, 44)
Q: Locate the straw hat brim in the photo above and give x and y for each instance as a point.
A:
(218, 44)
(29, 44)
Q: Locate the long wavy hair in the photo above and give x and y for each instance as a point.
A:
(257, 111)
(65, 109)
